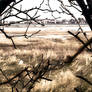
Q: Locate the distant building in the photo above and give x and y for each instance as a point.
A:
(72, 21)
(82, 21)
(53, 21)
(64, 21)
(58, 22)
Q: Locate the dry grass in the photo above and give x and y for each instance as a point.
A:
(30, 51)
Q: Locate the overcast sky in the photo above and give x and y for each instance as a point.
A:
(26, 4)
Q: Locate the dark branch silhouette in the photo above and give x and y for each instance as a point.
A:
(28, 77)
(86, 80)
(4, 4)
(38, 72)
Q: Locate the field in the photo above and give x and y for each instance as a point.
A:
(51, 46)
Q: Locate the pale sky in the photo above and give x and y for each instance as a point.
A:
(26, 4)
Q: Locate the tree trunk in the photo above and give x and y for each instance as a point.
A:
(86, 12)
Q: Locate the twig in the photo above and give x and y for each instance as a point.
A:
(79, 39)
(86, 80)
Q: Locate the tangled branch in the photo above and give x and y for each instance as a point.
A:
(27, 77)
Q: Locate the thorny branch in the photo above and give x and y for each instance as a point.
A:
(28, 77)
(65, 9)
(88, 16)
(8, 14)
(38, 72)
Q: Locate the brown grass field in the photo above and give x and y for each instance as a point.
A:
(30, 51)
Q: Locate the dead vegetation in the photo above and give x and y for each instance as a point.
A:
(29, 53)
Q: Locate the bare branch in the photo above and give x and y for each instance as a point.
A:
(86, 80)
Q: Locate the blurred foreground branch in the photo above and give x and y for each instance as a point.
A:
(27, 77)
(86, 80)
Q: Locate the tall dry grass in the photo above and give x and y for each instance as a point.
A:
(29, 51)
